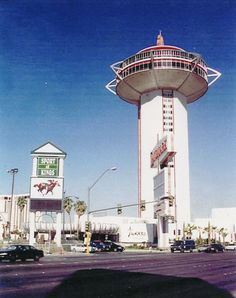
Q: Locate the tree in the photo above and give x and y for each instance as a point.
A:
(80, 208)
(200, 232)
(214, 230)
(210, 232)
(67, 205)
(189, 230)
(223, 233)
(21, 203)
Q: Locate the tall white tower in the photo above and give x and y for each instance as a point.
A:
(161, 80)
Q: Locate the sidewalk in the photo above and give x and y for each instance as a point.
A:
(127, 250)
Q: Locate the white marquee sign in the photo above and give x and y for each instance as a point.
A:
(46, 188)
(163, 152)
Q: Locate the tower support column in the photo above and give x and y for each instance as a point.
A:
(58, 229)
(32, 228)
(163, 233)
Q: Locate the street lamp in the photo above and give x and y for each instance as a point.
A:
(88, 205)
(13, 172)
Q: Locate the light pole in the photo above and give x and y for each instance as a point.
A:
(13, 172)
(88, 233)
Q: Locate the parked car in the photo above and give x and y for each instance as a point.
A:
(215, 248)
(202, 248)
(98, 245)
(82, 248)
(21, 252)
(183, 245)
(112, 246)
(230, 246)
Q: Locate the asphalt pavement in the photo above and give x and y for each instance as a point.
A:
(128, 274)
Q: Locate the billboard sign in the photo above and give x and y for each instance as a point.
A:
(136, 233)
(47, 181)
(47, 166)
(164, 209)
(46, 188)
(164, 183)
(163, 152)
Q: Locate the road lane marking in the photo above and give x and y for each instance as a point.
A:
(202, 265)
(229, 273)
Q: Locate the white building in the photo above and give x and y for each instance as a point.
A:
(17, 217)
(222, 219)
(161, 80)
(127, 230)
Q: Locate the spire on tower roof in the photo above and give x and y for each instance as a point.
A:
(160, 39)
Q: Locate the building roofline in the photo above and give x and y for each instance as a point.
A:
(43, 153)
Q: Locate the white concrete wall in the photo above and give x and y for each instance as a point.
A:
(224, 216)
(181, 160)
(151, 125)
(136, 233)
(130, 229)
(220, 218)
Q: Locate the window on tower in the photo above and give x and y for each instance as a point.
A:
(167, 93)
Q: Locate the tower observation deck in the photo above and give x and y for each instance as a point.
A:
(161, 67)
(161, 80)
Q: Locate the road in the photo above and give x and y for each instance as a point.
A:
(122, 275)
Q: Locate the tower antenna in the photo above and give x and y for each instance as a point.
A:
(160, 39)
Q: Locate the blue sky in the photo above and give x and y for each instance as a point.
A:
(55, 58)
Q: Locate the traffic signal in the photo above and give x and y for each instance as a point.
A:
(143, 205)
(171, 201)
(119, 209)
(87, 226)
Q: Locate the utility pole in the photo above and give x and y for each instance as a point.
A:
(13, 172)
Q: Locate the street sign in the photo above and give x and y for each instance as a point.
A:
(47, 166)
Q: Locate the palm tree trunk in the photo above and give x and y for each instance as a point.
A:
(70, 225)
(20, 223)
(78, 227)
(209, 233)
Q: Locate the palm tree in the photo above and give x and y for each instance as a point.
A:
(189, 230)
(80, 208)
(21, 203)
(200, 232)
(213, 236)
(224, 233)
(210, 232)
(67, 205)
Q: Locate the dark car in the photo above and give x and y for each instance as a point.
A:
(215, 248)
(183, 245)
(98, 245)
(112, 246)
(21, 252)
